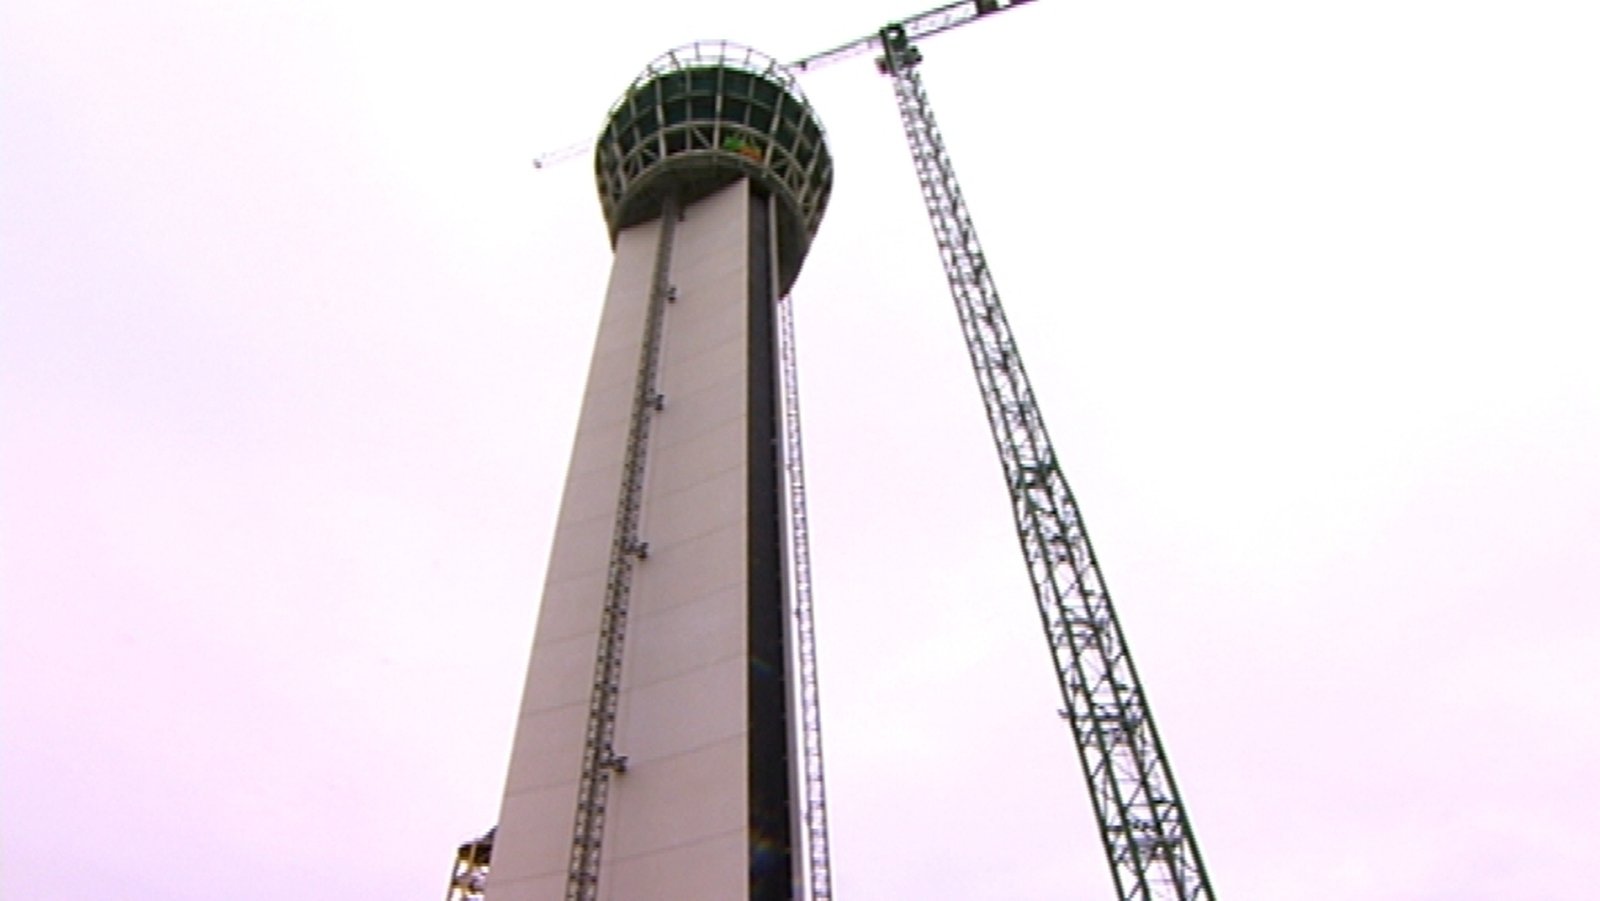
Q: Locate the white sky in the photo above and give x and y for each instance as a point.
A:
(293, 338)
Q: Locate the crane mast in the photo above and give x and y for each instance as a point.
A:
(1146, 834)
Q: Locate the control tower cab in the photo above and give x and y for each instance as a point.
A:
(703, 116)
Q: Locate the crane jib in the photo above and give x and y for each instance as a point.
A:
(922, 25)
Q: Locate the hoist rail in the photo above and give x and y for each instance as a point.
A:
(1145, 832)
(601, 762)
(819, 876)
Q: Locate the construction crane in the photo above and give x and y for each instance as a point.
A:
(1145, 831)
(1144, 828)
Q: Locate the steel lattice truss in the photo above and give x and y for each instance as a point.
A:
(1146, 834)
(818, 871)
(600, 758)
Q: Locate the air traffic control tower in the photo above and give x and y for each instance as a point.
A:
(655, 747)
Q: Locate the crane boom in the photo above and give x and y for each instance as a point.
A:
(1145, 832)
(922, 25)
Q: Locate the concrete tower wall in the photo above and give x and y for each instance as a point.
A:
(696, 720)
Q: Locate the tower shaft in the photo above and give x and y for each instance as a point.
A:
(651, 758)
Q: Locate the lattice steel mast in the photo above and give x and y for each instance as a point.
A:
(819, 871)
(1147, 837)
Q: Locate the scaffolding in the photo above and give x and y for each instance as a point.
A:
(469, 875)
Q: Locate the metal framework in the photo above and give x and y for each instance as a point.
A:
(819, 875)
(470, 872)
(1146, 834)
(601, 762)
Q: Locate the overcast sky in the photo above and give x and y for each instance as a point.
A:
(292, 338)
